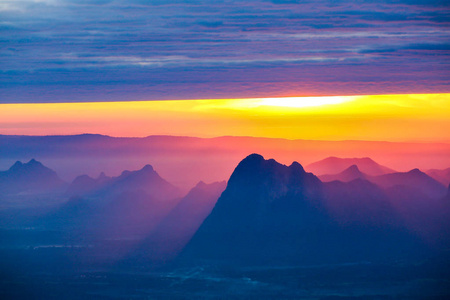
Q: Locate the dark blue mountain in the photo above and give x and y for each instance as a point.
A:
(30, 177)
(276, 214)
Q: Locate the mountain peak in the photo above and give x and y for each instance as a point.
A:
(17, 165)
(252, 159)
(125, 173)
(415, 171)
(297, 167)
(147, 168)
(33, 164)
(353, 169)
(335, 165)
(200, 184)
(31, 176)
(261, 196)
(349, 174)
(367, 159)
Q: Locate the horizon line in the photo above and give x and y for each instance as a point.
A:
(222, 136)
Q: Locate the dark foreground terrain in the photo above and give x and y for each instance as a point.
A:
(425, 280)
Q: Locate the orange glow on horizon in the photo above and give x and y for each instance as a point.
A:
(417, 117)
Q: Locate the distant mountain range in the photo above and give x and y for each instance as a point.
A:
(443, 176)
(131, 204)
(414, 179)
(268, 213)
(184, 161)
(334, 165)
(145, 179)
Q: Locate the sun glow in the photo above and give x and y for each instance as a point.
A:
(298, 102)
(412, 117)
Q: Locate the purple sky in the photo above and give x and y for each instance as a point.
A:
(81, 50)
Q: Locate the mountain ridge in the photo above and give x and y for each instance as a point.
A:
(276, 214)
(334, 165)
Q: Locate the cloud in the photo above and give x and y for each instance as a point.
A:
(76, 45)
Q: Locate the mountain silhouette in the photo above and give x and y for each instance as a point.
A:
(443, 176)
(84, 184)
(260, 214)
(349, 174)
(414, 179)
(276, 214)
(30, 177)
(145, 179)
(335, 165)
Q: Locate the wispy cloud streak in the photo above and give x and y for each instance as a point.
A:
(82, 50)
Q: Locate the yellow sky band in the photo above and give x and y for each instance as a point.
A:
(413, 117)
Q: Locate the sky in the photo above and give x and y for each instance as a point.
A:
(397, 118)
(89, 51)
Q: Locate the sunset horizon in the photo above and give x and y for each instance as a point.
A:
(393, 118)
(225, 149)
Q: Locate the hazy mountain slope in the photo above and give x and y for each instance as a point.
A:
(130, 204)
(359, 202)
(414, 179)
(145, 179)
(334, 165)
(177, 228)
(443, 176)
(349, 174)
(85, 184)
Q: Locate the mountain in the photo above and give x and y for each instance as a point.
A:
(31, 177)
(273, 214)
(145, 179)
(414, 179)
(260, 214)
(214, 158)
(85, 184)
(349, 174)
(128, 206)
(335, 165)
(443, 176)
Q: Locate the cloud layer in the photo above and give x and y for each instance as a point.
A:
(81, 50)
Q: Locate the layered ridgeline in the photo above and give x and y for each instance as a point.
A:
(29, 178)
(333, 165)
(128, 205)
(276, 214)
